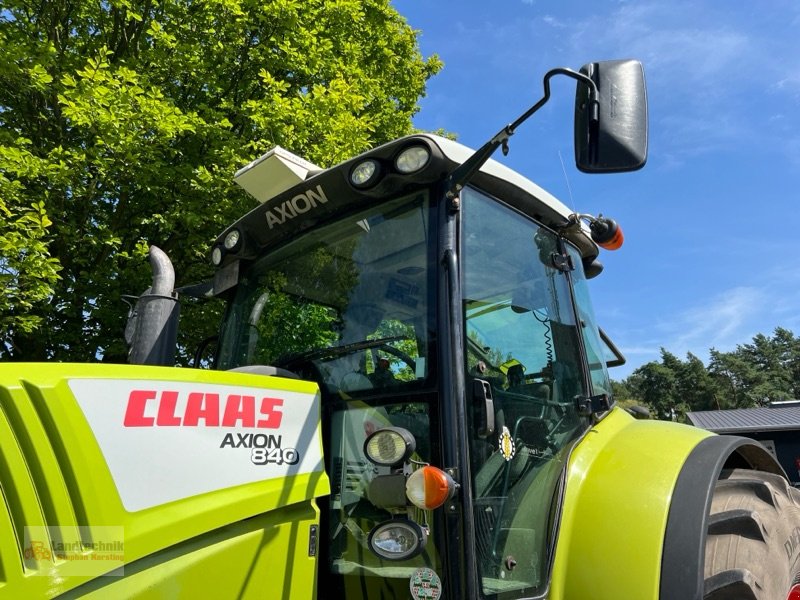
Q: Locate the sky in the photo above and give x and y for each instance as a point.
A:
(711, 249)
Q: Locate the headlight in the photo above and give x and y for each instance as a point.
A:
(398, 539)
(216, 256)
(412, 159)
(232, 239)
(365, 173)
(389, 446)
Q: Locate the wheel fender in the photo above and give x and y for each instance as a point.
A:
(687, 521)
(614, 514)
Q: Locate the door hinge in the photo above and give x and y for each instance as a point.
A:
(562, 262)
(593, 405)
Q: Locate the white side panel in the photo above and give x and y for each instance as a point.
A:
(165, 441)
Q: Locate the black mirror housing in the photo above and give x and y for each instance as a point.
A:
(616, 140)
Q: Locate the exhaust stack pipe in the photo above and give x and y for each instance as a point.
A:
(152, 329)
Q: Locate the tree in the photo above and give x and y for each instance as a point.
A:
(27, 273)
(695, 387)
(768, 369)
(754, 374)
(654, 383)
(673, 387)
(625, 397)
(122, 122)
(736, 377)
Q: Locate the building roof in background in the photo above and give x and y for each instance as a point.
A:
(743, 420)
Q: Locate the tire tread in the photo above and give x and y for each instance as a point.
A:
(749, 555)
(733, 584)
(740, 521)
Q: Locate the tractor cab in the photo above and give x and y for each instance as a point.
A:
(440, 302)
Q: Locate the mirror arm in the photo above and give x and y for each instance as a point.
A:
(464, 172)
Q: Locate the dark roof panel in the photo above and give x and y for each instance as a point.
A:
(747, 419)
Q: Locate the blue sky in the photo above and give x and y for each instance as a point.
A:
(711, 248)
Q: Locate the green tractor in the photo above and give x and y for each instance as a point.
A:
(410, 399)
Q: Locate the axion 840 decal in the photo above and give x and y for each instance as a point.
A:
(165, 441)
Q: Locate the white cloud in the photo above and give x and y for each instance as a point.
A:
(718, 324)
(789, 84)
(722, 321)
(691, 54)
(553, 22)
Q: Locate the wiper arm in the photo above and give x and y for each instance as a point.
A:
(338, 350)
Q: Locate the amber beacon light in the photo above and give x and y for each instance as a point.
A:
(606, 233)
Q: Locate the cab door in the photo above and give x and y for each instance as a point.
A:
(523, 364)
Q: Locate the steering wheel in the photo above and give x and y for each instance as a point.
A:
(353, 380)
(396, 352)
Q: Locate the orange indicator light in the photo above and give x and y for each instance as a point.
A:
(429, 487)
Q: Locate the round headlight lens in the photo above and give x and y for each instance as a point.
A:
(398, 539)
(364, 173)
(216, 255)
(232, 239)
(412, 159)
(389, 446)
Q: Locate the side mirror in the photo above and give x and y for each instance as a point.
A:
(611, 136)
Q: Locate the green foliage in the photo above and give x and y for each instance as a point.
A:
(654, 384)
(122, 122)
(287, 326)
(754, 374)
(407, 345)
(27, 273)
(766, 370)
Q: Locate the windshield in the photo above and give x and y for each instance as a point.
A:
(345, 305)
(349, 305)
(522, 340)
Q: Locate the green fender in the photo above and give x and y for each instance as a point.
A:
(635, 510)
(620, 482)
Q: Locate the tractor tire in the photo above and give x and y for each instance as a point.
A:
(753, 543)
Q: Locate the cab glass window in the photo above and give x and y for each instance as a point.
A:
(522, 339)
